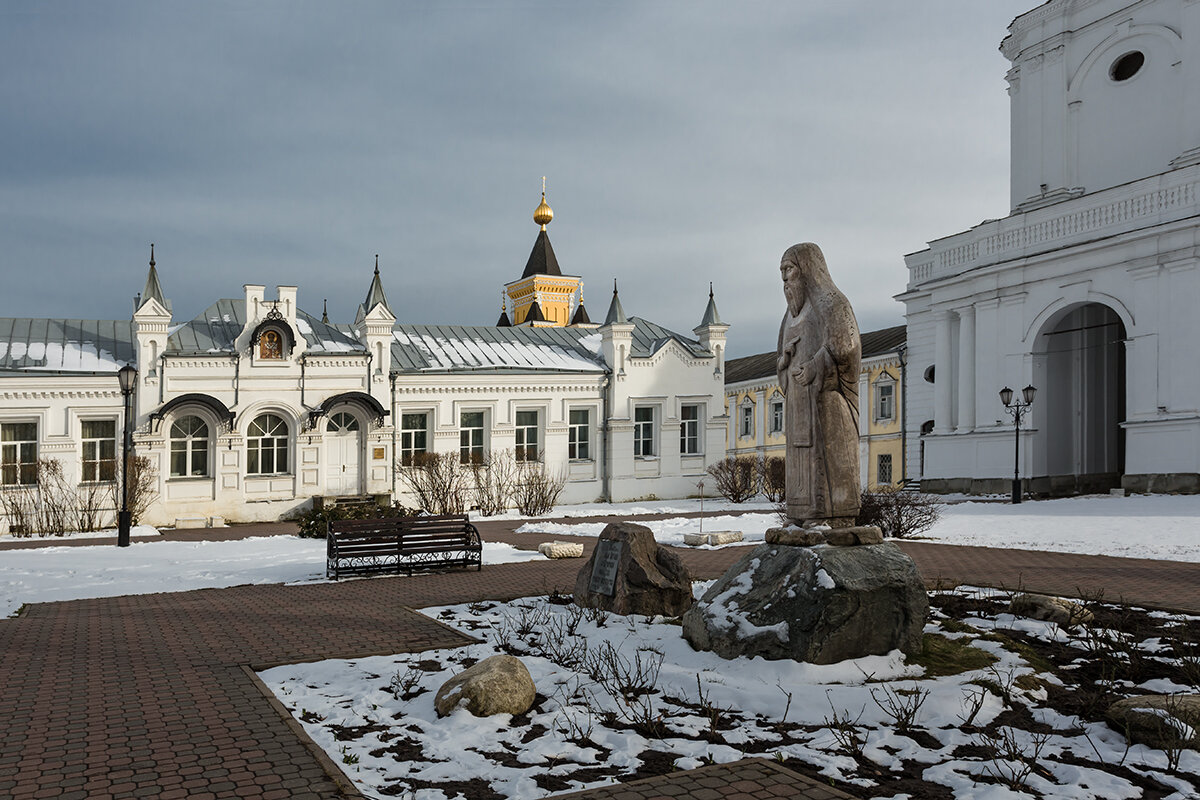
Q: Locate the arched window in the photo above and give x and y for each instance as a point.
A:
(189, 448)
(267, 446)
(270, 345)
(342, 422)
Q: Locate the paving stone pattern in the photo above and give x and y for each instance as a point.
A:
(149, 695)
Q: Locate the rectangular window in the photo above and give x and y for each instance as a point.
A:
(689, 430)
(470, 437)
(643, 431)
(18, 453)
(777, 416)
(886, 405)
(884, 474)
(746, 429)
(579, 434)
(414, 437)
(99, 450)
(527, 436)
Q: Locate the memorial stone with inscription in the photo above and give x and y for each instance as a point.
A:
(630, 573)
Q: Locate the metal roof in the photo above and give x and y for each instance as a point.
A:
(88, 346)
(762, 365)
(458, 348)
(215, 330)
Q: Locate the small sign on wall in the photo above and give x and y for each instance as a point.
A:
(377, 454)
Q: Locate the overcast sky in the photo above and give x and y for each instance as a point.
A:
(683, 142)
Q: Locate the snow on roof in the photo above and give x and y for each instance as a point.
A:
(64, 345)
(442, 348)
(215, 330)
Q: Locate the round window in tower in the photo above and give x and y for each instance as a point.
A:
(1126, 66)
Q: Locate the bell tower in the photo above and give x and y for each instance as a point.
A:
(543, 296)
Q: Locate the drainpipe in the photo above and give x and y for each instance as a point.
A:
(303, 361)
(162, 377)
(370, 356)
(605, 489)
(903, 352)
(392, 380)
(237, 370)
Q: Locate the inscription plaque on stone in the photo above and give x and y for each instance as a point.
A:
(604, 567)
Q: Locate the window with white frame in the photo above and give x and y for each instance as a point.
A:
(470, 437)
(579, 434)
(99, 442)
(883, 474)
(18, 453)
(643, 431)
(885, 399)
(776, 416)
(527, 436)
(267, 446)
(414, 437)
(689, 430)
(189, 448)
(746, 420)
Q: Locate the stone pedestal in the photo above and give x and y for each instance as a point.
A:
(818, 604)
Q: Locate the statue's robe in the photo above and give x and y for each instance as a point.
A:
(822, 416)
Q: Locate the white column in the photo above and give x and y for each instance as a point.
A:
(942, 423)
(966, 369)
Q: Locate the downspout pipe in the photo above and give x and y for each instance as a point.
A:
(605, 487)
(902, 351)
(392, 381)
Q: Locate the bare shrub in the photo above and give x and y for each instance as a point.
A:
(902, 705)
(773, 478)
(537, 490)
(437, 481)
(736, 477)
(850, 736)
(1013, 758)
(898, 513)
(94, 508)
(494, 476)
(143, 486)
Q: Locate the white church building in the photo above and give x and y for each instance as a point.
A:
(1088, 290)
(250, 408)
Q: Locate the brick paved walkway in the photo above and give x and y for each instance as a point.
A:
(151, 696)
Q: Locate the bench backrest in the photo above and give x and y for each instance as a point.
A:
(391, 526)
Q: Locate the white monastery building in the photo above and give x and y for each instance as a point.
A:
(252, 407)
(1088, 289)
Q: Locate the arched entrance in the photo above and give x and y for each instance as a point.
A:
(1080, 364)
(343, 448)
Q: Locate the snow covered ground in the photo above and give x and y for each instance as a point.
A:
(616, 694)
(1163, 527)
(75, 573)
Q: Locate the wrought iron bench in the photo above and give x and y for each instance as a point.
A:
(395, 544)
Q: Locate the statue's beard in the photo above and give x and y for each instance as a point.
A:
(795, 298)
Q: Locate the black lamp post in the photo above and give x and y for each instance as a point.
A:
(1016, 411)
(127, 378)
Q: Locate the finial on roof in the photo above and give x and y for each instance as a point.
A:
(325, 311)
(543, 213)
(616, 314)
(152, 254)
(377, 263)
(711, 317)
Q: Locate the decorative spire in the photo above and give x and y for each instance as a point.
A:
(153, 287)
(325, 311)
(543, 213)
(711, 317)
(375, 296)
(616, 314)
(504, 321)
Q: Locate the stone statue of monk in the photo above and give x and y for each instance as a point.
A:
(819, 357)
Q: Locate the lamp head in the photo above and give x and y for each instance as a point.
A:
(1006, 396)
(1028, 392)
(127, 378)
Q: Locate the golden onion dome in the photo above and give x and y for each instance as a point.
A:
(543, 213)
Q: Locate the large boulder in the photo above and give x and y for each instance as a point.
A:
(1158, 721)
(820, 604)
(649, 579)
(497, 685)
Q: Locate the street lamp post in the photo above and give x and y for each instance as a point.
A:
(1017, 410)
(127, 378)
